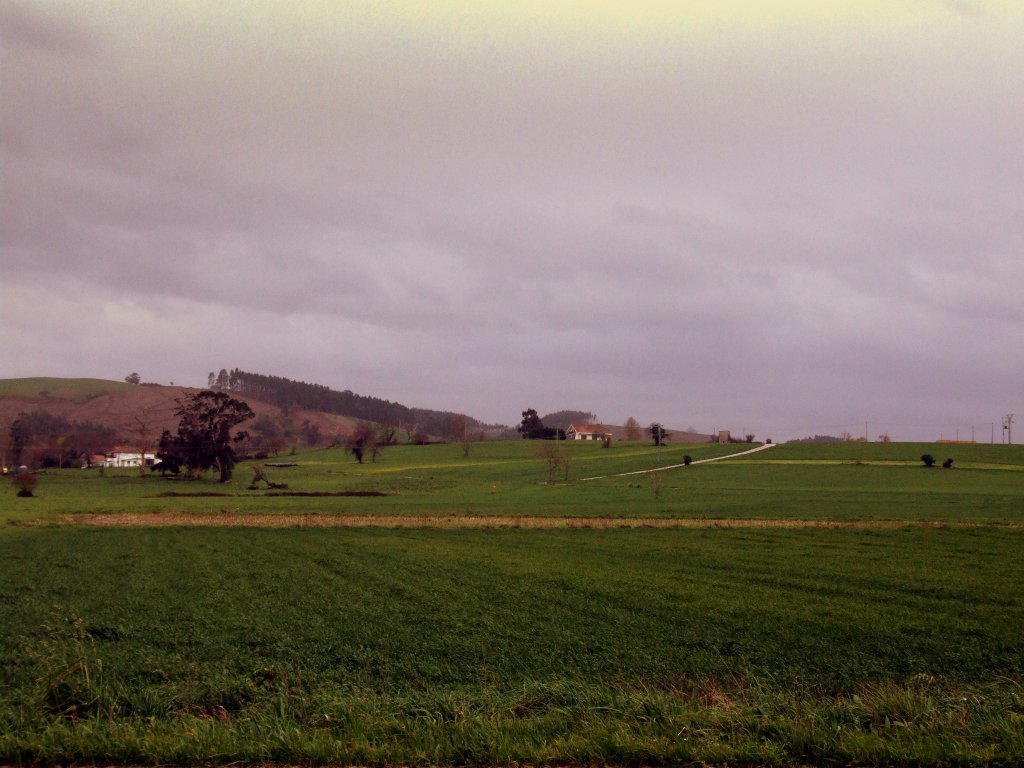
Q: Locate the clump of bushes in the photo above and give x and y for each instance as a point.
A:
(928, 459)
(687, 459)
(26, 483)
(947, 464)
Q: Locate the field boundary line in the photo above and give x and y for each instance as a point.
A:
(237, 520)
(759, 448)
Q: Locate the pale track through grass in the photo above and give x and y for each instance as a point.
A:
(759, 448)
(237, 520)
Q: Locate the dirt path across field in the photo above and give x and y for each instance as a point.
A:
(764, 447)
(228, 520)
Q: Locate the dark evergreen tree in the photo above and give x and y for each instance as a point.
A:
(204, 431)
(658, 434)
(531, 424)
(20, 433)
(170, 454)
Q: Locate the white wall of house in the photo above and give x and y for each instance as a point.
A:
(573, 434)
(122, 459)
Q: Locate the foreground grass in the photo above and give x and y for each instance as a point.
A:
(501, 647)
(891, 638)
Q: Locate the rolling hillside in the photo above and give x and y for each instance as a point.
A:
(119, 406)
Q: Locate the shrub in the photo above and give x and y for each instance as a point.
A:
(928, 459)
(687, 459)
(947, 464)
(25, 482)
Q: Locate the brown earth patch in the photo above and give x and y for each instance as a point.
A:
(229, 519)
(117, 409)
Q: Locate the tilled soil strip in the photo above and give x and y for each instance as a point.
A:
(163, 519)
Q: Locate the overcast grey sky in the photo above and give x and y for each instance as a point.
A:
(784, 218)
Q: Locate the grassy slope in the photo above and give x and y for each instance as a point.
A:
(909, 453)
(116, 404)
(76, 390)
(510, 646)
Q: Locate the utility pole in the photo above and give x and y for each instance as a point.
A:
(1008, 428)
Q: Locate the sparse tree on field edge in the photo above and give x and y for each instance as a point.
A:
(632, 429)
(143, 431)
(555, 458)
(361, 441)
(658, 434)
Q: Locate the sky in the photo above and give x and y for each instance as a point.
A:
(780, 218)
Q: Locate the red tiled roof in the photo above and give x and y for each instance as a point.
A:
(590, 429)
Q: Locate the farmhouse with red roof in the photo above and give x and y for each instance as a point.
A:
(587, 432)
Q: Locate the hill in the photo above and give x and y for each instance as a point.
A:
(289, 393)
(104, 413)
(74, 390)
(101, 414)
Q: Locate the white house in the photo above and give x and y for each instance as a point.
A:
(587, 432)
(128, 457)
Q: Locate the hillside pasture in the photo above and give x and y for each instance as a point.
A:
(74, 390)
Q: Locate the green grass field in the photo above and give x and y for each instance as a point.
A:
(76, 390)
(897, 640)
(873, 482)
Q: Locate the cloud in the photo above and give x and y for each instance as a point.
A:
(28, 27)
(784, 220)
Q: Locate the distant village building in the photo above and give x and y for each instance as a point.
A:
(724, 436)
(128, 457)
(587, 432)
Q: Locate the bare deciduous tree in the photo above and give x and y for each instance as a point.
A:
(142, 420)
(632, 429)
(363, 440)
(555, 458)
